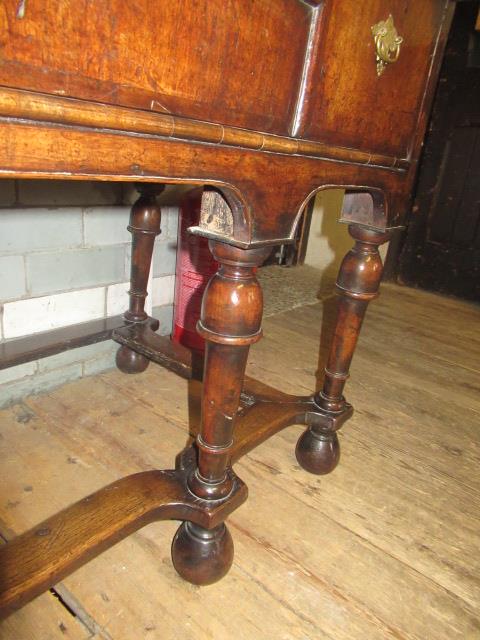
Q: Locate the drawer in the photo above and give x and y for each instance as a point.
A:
(236, 62)
(348, 103)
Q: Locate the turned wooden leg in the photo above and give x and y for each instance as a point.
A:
(230, 322)
(318, 450)
(144, 226)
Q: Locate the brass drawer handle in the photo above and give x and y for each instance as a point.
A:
(387, 43)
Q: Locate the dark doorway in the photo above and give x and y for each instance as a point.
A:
(441, 247)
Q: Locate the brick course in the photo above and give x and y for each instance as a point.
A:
(65, 259)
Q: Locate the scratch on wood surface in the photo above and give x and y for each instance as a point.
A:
(21, 9)
(155, 105)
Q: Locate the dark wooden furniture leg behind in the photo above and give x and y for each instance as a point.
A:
(144, 226)
(358, 281)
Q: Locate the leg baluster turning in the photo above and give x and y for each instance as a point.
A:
(318, 450)
(144, 226)
(230, 322)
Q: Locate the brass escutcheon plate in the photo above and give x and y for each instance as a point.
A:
(387, 43)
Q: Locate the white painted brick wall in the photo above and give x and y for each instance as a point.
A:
(163, 290)
(43, 229)
(12, 277)
(63, 271)
(65, 259)
(104, 226)
(33, 315)
(117, 299)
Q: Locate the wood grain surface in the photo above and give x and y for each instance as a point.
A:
(243, 96)
(275, 67)
(348, 85)
(384, 547)
(157, 56)
(46, 617)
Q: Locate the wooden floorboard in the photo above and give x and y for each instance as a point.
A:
(388, 546)
(45, 617)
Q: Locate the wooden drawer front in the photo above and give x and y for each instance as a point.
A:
(349, 104)
(237, 62)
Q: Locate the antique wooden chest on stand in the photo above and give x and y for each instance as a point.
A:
(263, 103)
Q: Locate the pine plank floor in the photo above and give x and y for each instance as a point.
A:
(386, 547)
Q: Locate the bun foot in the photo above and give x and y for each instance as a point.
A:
(318, 453)
(129, 361)
(201, 556)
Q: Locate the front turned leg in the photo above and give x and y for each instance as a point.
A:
(144, 227)
(230, 322)
(358, 281)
